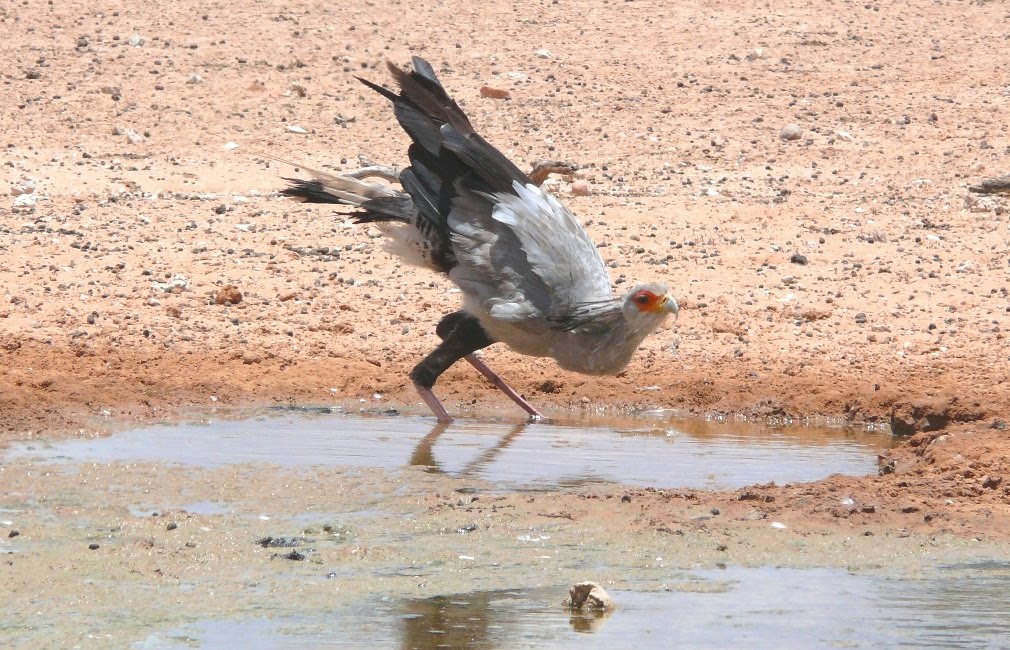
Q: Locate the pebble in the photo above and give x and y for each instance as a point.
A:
(791, 132)
(844, 136)
(25, 202)
(136, 40)
(543, 53)
(177, 284)
(494, 93)
(228, 295)
(580, 188)
(292, 128)
(23, 186)
(194, 79)
(798, 258)
(589, 595)
(230, 146)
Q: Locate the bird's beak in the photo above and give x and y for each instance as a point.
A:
(669, 305)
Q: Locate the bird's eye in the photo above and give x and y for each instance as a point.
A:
(642, 298)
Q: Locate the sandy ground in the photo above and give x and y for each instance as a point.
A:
(845, 276)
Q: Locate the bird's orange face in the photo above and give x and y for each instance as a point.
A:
(648, 301)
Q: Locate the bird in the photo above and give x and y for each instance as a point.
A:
(530, 276)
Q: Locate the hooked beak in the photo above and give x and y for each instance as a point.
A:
(669, 305)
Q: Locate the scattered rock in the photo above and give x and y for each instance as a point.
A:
(281, 542)
(136, 40)
(177, 284)
(494, 93)
(580, 188)
(228, 295)
(292, 128)
(791, 132)
(23, 186)
(998, 185)
(797, 258)
(25, 203)
(589, 596)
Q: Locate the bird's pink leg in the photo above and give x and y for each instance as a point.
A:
(502, 386)
(436, 406)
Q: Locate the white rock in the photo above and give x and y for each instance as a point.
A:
(178, 281)
(543, 53)
(194, 79)
(23, 186)
(230, 146)
(844, 136)
(26, 201)
(791, 132)
(291, 128)
(136, 40)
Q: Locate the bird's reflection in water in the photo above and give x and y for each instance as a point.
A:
(424, 455)
(483, 619)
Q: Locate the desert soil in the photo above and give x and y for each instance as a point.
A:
(846, 275)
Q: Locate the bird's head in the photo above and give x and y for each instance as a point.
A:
(649, 304)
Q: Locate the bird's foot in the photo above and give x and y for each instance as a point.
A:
(436, 406)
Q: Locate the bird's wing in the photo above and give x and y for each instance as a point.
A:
(511, 247)
(523, 255)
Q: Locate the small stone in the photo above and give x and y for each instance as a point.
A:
(93, 546)
(292, 128)
(290, 295)
(580, 188)
(25, 202)
(13, 533)
(172, 526)
(230, 146)
(228, 295)
(34, 73)
(791, 132)
(844, 136)
(23, 186)
(136, 40)
(797, 258)
(589, 595)
(494, 93)
(543, 53)
(860, 318)
(194, 79)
